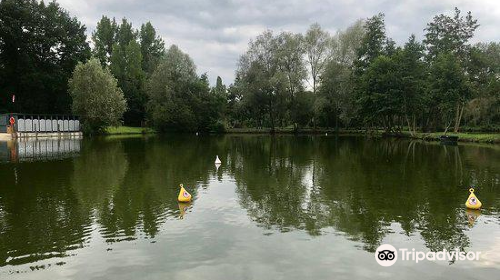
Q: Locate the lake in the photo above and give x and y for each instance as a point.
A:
(283, 207)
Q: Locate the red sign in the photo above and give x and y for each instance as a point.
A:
(12, 120)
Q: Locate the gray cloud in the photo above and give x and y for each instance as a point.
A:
(216, 32)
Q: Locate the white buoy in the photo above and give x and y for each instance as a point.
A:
(326, 134)
(217, 160)
(196, 133)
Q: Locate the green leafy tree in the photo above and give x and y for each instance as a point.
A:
(484, 73)
(96, 97)
(335, 94)
(126, 67)
(220, 88)
(317, 46)
(447, 34)
(178, 98)
(152, 47)
(270, 75)
(291, 65)
(40, 44)
(304, 109)
(450, 36)
(104, 38)
(413, 72)
(211, 104)
(373, 43)
(236, 111)
(364, 78)
(219, 97)
(347, 42)
(393, 88)
(125, 34)
(372, 46)
(260, 80)
(381, 84)
(132, 56)
(449, 88)
(336, 99)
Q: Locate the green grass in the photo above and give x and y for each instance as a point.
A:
(120, 130)
(464, 137)
(476, 137)
(290, 130)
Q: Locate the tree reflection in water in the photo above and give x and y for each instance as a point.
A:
(361, 187)
(127, 189)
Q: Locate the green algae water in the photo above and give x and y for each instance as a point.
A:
(284, 207)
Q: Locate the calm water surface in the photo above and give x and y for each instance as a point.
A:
(278, 208)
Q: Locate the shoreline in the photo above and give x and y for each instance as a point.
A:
(464, 137)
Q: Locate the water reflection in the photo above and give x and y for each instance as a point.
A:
(183, 207)
(126, 189)
(362, 187)
(39, 221)
(472, 216)
(33, 149)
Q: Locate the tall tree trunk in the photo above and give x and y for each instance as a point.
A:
(271, 113)
(458, 116)
(457, 113)
(336, 121)
(409, 125)
(447, 127)
(414, 124)
(314, 84)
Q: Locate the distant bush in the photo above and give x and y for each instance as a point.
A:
(218, 127)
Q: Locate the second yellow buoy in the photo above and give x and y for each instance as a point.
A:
(473, 202)
(184, 196)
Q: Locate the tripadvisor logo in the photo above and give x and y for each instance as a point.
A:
(387, 255)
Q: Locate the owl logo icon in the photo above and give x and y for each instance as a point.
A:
(386, 255)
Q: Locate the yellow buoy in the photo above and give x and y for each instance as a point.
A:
(472, 202)
(184, 196)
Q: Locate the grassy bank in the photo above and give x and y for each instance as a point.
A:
(287, 130)
(124, 130)
(476, 137)
(462, 137)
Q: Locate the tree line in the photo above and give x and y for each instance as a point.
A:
(123, 76)
(356, 78)
(360, 78)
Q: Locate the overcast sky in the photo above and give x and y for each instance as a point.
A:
(216, 32)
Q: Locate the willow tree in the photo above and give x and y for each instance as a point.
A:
(336, 91)
(317, 47)
(260, 79)
(289, 54)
